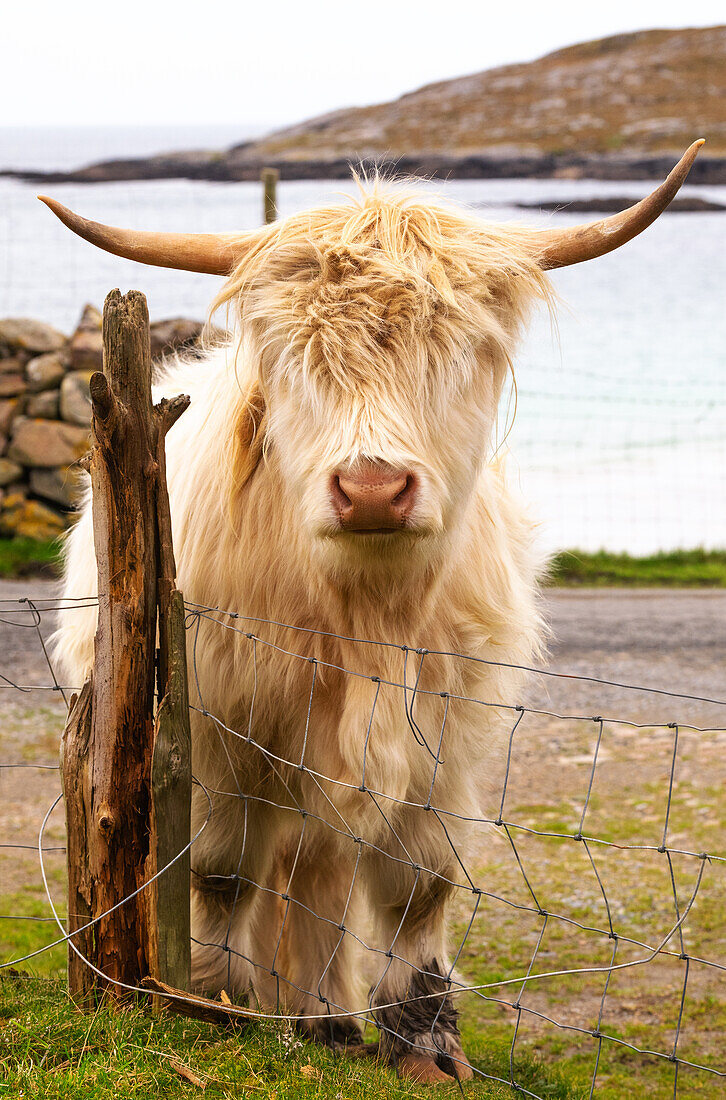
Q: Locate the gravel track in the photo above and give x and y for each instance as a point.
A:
(669, 638)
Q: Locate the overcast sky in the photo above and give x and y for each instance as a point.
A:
(273, 61)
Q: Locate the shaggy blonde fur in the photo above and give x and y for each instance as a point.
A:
(382, 328)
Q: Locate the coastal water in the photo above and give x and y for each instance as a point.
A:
(62, 148)
(620, 434)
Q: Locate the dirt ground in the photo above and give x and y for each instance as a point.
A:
(665, 638)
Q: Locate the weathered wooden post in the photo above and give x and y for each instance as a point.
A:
(126, 763)
(270, 177)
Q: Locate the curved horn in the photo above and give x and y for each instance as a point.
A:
(562, 247)
(211, 253)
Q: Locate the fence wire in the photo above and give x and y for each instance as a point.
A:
(371, 845)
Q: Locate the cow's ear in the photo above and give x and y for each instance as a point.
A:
(249, 437)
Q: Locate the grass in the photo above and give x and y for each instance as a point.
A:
(30, 932)
(627, 806)
(50, 1049)
(21, 557)
(677, 569)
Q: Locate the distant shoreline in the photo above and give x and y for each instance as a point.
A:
(612, 204)
(232, 166)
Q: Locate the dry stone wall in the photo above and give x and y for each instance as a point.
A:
(45, 415)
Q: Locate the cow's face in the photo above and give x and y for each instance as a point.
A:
(381, 392)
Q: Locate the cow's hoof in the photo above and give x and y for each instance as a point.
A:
(457, 1064)
(362, 1050)
(423, 1069)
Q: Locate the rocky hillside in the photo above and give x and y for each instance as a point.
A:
(617, 108)
(649, 92)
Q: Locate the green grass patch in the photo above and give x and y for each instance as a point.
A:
(50, 1049)
(677, 569)
(29, 557)
(31, 931)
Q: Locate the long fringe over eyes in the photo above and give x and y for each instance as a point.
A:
(404, 258)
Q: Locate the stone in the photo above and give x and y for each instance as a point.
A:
(45, 372)
(8, 411)
(91, 319)
(87, 351)
(20, 333)
(44, 405)
(171, 335)
(75, 397)
(12, 365)
(86, 347)
(60, 484)
(12, 385)
(47, 442)
(31, 519)
(9, 471)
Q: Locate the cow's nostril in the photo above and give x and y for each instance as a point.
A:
(340, 499)
(405, 497)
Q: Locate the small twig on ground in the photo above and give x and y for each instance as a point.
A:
(185, 1072)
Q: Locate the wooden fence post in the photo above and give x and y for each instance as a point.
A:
(126, 773)
(270, 177)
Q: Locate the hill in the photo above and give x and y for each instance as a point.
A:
(649, 92)
(619, 107)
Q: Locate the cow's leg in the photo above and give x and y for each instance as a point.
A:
(312, 962)
(416, 1015)
(232, 855)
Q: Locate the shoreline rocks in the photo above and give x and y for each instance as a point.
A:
(230, 167)
(613, 204)
(45, 415)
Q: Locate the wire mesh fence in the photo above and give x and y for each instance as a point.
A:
(580, 900)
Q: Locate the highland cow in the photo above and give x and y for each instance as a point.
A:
(335, 477)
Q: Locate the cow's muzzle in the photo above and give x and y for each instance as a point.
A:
(373, 497)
